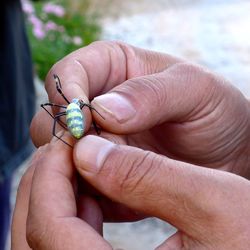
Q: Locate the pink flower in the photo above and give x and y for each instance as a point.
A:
(51, 26)
(77, 40)
(35, 21)
(39, 33)
(27, 7)
(54, 9)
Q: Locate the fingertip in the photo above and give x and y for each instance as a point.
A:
(90, 153)
(73, 81)
(41, 129)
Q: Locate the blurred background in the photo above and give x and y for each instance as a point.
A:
(213, 33)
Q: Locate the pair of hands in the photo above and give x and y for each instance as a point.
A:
(169, 125)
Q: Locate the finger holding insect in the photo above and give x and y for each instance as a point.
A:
(45, 125)
(41, 128)
(94, 70)
(78, 118)
(97, 68)
(73, 112)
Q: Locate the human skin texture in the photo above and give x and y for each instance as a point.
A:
(170, 127)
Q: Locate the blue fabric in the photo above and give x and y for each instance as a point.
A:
(17, 94)
(5, 209)
(17, 102)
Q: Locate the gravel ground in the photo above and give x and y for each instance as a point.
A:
(211, 33)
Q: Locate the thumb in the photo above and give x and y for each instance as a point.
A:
(176, 192)
(171, 95)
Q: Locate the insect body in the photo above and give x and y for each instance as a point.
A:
(75, 120)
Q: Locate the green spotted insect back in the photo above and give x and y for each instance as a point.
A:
(75, 119)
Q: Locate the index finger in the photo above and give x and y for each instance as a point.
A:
(97, 68)
(94, 70)
(52, 208)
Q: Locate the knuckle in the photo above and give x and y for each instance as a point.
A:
(151, 89)
(204, 86)
(194, 72)
(100, 44)
(32, 234)
(132, 174)
(99, 47)
(140, 175)
(42, 233)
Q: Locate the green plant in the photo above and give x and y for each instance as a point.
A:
(55, 30)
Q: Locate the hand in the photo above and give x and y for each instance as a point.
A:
(210, 208)
(58, 217)
(161, 104)
(156, 102)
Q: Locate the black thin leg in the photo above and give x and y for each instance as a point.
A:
(54, 105)
(59, 87)
(61, 123)
(91, 108)
(56, 119)
(97, 129)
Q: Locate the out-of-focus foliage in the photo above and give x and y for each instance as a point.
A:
(57, 28)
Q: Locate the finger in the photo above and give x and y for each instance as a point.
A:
(41, 128)
(117, 212)
(52, 221)
(89, 210)
(174, 95)
(97, 68)
(111, 210)
(188, 197)
(174, 242)
(18, 227)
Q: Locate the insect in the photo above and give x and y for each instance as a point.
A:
(75, 120)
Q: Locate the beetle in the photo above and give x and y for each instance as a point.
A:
(75, 120)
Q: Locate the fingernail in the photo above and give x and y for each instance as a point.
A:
(90, 153)
(116, 105)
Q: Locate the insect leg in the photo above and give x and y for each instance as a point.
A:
(59, 87)
(61, 123)
(53, 105)
(91, 108)
(56, 119)
(97, 129)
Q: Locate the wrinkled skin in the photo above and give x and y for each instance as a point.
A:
(180, 110)
(169, 119)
